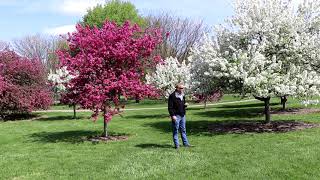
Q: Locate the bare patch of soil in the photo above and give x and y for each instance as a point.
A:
(97, 139)
(296, 111)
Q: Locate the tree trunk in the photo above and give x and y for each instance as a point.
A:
(105, 131)
(267, 109)
(74, 111)
(205, 102)
(105, 124)
(284, 102)
(137, 99)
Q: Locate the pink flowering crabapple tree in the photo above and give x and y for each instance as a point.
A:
(107, 63)
(23, 85)
(3, 83)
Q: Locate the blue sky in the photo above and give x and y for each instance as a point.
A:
(27, 17)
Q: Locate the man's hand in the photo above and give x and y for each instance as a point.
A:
(173, 118)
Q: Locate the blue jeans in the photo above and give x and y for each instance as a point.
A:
(179, 124)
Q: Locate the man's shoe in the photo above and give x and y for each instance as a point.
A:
(176, 147)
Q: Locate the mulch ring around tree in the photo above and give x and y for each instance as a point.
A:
(110, 138)
(296, 111)
(259, 127)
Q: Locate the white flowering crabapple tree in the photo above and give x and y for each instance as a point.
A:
(168, 74)
(203, 85)
(262, 50)
(59, 81)
(171, 72)
(311, 53)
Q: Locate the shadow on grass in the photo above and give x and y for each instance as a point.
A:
(144, 146)
(148, 116)
(19, 117)
(60, 118)
(246, 105)
(209, 112)
(232, 113)
(73, 137)
(193, 127)
(211, 128)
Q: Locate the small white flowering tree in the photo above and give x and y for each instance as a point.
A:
(59, 81)
(264, 49)
(168, 74)
(202, 67)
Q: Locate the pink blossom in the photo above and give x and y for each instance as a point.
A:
(109, 62)
(23, 84)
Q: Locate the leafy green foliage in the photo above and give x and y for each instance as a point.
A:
(115, 10)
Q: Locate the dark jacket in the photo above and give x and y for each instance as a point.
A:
(176, 106)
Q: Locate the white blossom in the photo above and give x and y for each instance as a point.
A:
(168, 74)
(310, 102)
(60, 78)
(272, 48)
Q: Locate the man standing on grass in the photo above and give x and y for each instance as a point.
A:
(177, 111)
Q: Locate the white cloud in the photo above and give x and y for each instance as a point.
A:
(66, 7)
(77, 7)
(60, 30)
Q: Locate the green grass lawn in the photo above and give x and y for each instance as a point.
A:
(157, 103)
(52, 147)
